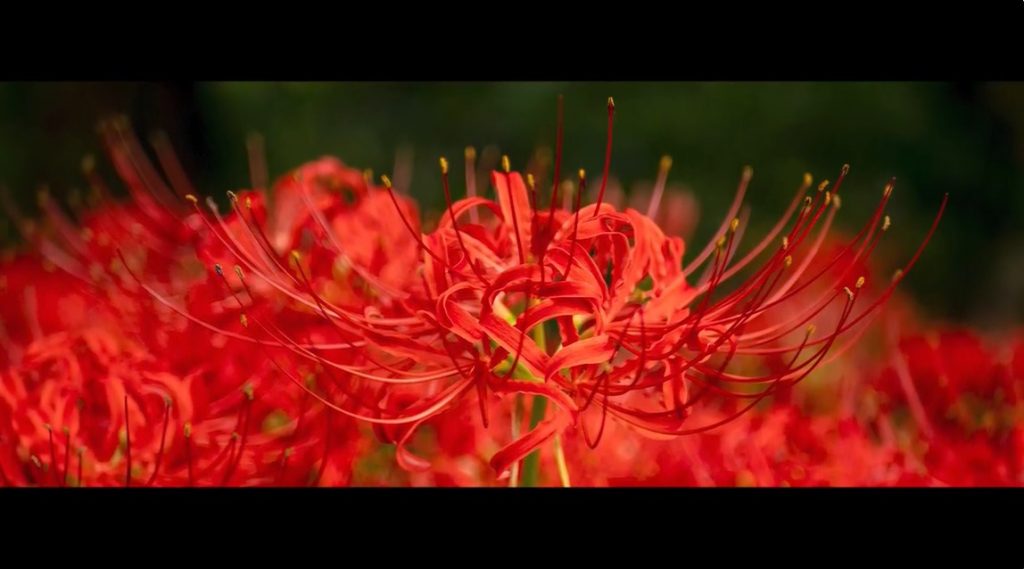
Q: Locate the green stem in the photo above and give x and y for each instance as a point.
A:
(531, 464)
(514, 477)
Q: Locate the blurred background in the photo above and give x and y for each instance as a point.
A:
(964, 139)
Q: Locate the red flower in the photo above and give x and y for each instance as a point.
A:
(152, 381)
(962, 397)
(319, 294)
(589, 310)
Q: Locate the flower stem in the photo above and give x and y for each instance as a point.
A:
(531, 464)
(513, 479)
(563, 470)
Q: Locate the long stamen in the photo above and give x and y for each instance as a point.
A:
(187, 431)
(405, 221)
(320, 305)
(247, 391)
(741, 190)
(659, 186)
(67, 456)
(327, 449)
(429, 407)
(53, 454)
(557, 179)
(607, 156)
(224, 456)
(575, 222)
(506, 168)
(163, 441)
(470, 154)
(128, 445)
(770, 237)
(254, 226)
(455, 225)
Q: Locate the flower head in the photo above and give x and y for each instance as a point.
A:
(328, 291)
(592, 311)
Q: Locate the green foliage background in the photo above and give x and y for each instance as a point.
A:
(934, 137)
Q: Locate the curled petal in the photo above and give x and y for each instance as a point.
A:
(594, 350)
(519, 448)
(509, 337)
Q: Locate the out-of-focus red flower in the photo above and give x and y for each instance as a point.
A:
(961, 396)
(133, 367)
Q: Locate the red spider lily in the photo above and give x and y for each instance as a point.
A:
(780, 446)
(589, 309)
(635, 336)
(963, 400)
(90, 408)
(135, 385)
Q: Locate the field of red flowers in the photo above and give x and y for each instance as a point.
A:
(541, 330)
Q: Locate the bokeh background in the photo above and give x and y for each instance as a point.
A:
(964, 139)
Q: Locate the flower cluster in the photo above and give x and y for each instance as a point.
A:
(165, 341)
